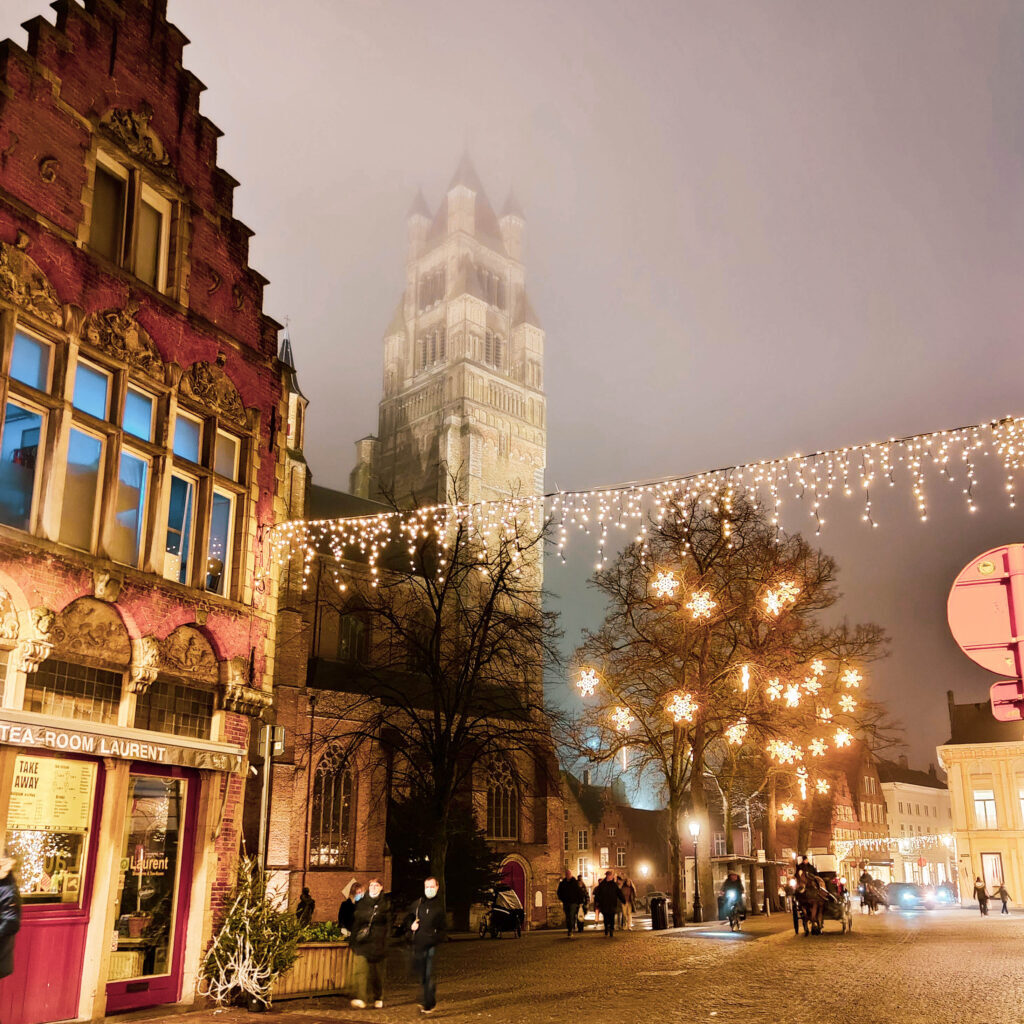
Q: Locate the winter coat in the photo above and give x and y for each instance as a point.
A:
(584, 900)
(10, 922)
(373, 914)
(346, 914)
(304, 911)
(608, 896)
(628, 893)
(568, 892)
(433, 924)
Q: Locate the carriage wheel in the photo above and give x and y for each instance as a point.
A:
(519, 931)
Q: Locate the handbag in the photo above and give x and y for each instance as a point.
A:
(364, 933)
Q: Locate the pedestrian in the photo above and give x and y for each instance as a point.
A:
(982, 893)
(629, 895)
(607, 897)
(346, 912)
(10, 915)
(1004, 896)
(304, 911)
(428, 930)
(370, 946)
(568, 893)
(584, 903)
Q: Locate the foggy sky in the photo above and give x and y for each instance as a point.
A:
(752, 229)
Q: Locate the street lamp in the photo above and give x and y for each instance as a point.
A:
(697, 909)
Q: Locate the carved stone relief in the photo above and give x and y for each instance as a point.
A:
(119, 334)
(211, 387)
(48, 169)
(145, 663)
(36, 649)
(186, 652)
(24, 284)
(92, 629)
(131, 129)
(107, 585)
(9, 627)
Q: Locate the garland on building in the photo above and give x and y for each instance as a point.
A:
(903, 845)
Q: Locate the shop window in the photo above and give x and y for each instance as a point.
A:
(73, 691)
(502, 802)
(48, 821)
(188, 436)
(175, 708)
(331, 812)
(180, 522)
(19, 450)
(92, 390)
(130, 513)
(138, 414)
(81, 490)
(30, 362)
(218, 557)
(148, 884)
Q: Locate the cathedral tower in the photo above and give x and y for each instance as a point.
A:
(463, 412)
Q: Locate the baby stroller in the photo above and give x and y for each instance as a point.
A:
(505, 915)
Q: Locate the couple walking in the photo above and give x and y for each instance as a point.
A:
(609, 899)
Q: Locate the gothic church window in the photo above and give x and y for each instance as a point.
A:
(502, 802)
(330, 825)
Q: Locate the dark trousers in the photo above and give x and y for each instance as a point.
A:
(571, 911)
(983, 907)
(423, 966)
(609, 921)
(1004, 910)
(368, 978)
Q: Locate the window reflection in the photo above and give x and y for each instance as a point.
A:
(81, 487)
(220, 543)
(138, 414)
(179, 529)
(126, 535)
(30, 361)
(19, 448)
(91, 389)
(187, 437)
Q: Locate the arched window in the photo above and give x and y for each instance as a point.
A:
(502, 802)
(353, 638)
(330, 819)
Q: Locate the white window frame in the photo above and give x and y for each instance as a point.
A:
(182, 414)
(605, 857)
(583, 839)
(142, 457)
(225, 590)
(982, 817)
(190, 557)
(237, 442)
(100, 475)
(96, 368)
(152, 416)
(164, 207)
(33, 515)
(20, 328)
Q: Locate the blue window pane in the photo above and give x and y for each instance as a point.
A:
(91, 388)
(81, 486)
(220, 543)
(187, 435)
(138, 415)
(19, 447)
(130, 514)
(179, 529)
(30, 361)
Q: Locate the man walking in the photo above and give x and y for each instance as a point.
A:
(428, 931)
(568, 894)
(607, 897)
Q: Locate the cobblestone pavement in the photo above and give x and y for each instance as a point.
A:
(929, 968)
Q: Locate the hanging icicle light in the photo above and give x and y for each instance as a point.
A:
(745, 678)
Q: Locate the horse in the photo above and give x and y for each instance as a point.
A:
(809, 899)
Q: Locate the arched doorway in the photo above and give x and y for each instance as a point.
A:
(513, 874)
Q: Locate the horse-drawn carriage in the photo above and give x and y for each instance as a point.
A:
(818, 898)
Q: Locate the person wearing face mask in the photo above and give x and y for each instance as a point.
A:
(347, 910)
(370, 945)
(428, 930)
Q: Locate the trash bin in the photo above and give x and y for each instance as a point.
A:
(659, 913)
(723, 910)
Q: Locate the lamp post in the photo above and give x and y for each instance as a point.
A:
(697, 909)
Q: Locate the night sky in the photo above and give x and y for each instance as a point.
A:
(752, 229)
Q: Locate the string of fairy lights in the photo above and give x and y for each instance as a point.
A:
(888, 844)
(624, 510)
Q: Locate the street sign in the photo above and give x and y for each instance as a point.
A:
(1007, 700)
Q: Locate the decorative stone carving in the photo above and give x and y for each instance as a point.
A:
(145, 663)
(9, 626)
(131, 128)
(236, 695)
(186, 652)
(36, 649)
(24, 284)
(91, 628)
(107, 585)
(48, 169)
(119, 334)
(210, 386)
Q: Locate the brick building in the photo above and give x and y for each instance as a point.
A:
(141, 419)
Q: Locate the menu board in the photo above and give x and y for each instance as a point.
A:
(50, 794)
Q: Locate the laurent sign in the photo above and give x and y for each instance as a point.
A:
(47, 737)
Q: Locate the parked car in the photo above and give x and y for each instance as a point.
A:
(908, 896)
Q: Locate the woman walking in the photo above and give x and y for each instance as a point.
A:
(370, 946)
(982, 893)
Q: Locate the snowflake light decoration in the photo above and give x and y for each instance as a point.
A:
(822, 786)
(817, 748)
(852, 678)
(843, 738)
(785, 752)
(792, 696)
(665, 585)
(774, 689)
(587, 681)
(700, 604)
(825, 715)
(811, 685)
(622, 719)
(787, 812)
(682, 707)
(818, 667)
(847, 704)
(736, 733)
(776, 600)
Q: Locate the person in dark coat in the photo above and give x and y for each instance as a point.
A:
(982, 894)
(607, 898)
(10, 915)
(1004, 897)
(568, 893)
(428, 930)
(347, 910)
(304, 911)
(370, 946)
(584, 903)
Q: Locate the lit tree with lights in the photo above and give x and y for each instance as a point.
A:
(712, 624)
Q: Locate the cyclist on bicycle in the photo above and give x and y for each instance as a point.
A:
(732, 890)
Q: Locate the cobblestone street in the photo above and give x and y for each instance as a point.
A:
(945, 966)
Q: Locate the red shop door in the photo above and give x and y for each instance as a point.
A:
(50, 945)
(154, 888)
